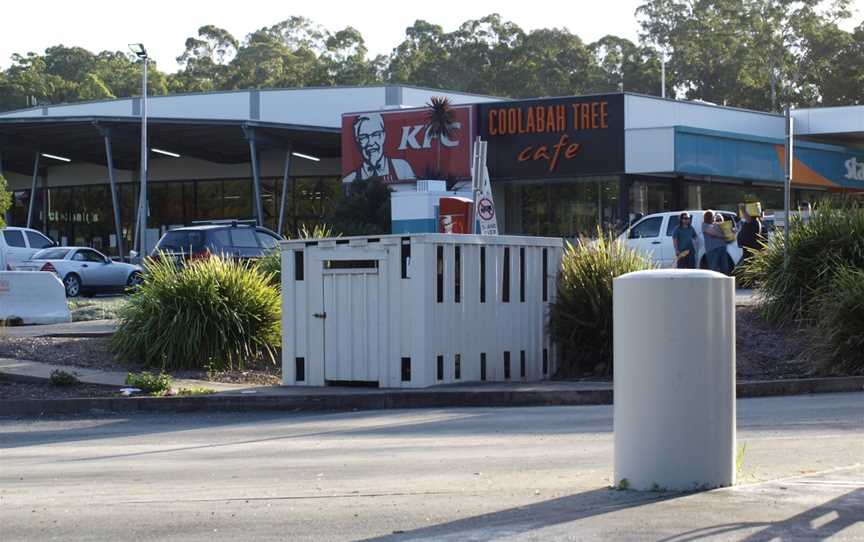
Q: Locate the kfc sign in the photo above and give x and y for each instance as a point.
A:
(396, 146)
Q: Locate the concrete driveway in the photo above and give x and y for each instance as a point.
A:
(461, 474)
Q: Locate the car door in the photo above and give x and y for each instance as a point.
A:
(16, 247)
(90, 266)
(644, 237)
(667, 247)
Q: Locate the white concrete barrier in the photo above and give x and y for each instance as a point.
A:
(34, 297)
(674, 369)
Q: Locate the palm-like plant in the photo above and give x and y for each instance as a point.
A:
(440, 123)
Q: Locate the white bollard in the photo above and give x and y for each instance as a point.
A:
(674, 370)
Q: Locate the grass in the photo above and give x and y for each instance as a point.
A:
(97, 308)
(152, 383)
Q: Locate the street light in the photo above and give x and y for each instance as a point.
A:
(140, 242)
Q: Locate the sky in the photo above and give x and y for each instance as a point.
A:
(163, 26)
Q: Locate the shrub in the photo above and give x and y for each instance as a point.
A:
(59, 377)
(834, 234)
(213, 314)
(156, 384)
(838, 330)
(581, 316)
(270, 265)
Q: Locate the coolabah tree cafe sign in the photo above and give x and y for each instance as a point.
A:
(562, 137)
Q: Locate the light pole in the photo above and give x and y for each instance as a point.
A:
(141, 240)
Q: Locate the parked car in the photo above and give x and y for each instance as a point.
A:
(19, 244)
(84, 270)
(652, 236)
(233, 239)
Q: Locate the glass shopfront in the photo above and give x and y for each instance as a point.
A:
(83, 215)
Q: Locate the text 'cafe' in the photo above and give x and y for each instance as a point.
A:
(566, 166)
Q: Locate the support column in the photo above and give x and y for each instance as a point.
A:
(7, 216)
(256, 182)
(32, 203)
(109, 158)
(285, 177)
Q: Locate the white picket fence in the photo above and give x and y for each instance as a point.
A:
(410, 311)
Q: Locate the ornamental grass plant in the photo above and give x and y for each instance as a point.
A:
(271, 264)
(581, 316)
(838, 325)
(832, 238)
(213, 314)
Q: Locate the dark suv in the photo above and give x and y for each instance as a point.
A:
(233, 239)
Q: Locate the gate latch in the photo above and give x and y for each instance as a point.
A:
(320, 315)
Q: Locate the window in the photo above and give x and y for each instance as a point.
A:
(88, 256)
(244, 238)
(673, 223)
(267, 241)
(51, 254)
(37, 240)
(182, 241)
(650, 227)
(14, 238)
(220, 239)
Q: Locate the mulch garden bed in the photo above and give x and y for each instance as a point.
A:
(764, 352)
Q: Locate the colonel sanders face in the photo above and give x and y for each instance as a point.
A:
(369, 135)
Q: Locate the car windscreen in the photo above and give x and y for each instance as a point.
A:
(51, 254)
(181, 241)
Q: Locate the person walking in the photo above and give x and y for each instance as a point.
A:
(686, 242)
(751, 236)
(715, 243)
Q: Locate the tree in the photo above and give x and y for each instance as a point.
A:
(758, 54)
(5, 200)
(624, 66)
(440, 122)
(363, 208)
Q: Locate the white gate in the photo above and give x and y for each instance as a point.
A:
(352, 302)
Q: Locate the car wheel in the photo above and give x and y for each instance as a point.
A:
(135, 280)
(72, 284)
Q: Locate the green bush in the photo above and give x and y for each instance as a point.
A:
(156, 384)
(270, 265)
(213, 314)
(838, 330)
(581, 316)
(834, 234)
(59, 377)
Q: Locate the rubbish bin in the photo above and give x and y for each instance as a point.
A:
(674, 380)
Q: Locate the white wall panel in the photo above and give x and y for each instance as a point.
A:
(649, 150)
(648, 112)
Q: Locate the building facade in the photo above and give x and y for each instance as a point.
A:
(559, 166)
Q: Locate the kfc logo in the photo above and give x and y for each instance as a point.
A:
(397, 146)
(370, 136)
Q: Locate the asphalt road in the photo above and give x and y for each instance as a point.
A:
(460, 474)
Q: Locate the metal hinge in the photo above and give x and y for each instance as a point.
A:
(320, 315)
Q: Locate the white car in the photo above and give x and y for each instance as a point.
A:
(652, 236)
(84, 270)
(18, 244)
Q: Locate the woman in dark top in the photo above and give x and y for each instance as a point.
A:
(686, 242)
(751, 236)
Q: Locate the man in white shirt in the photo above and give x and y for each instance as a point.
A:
(369, 135)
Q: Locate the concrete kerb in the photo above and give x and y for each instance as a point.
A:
(396, 399)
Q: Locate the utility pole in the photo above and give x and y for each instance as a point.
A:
(141, 242)
(787, 185)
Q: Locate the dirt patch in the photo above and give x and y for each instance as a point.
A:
(765, 351)
(26, 390)
(95, 353)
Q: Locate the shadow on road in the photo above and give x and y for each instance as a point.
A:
(532, 517)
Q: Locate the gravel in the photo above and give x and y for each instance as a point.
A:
(26, 390)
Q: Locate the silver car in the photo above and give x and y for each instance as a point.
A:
(84, 270)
